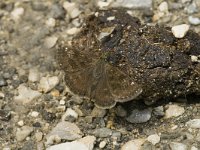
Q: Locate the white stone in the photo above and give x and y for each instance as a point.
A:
(102, 144)
(48, 83)
(194, 148)
(163, 7)
(71, 9)
(86, 143)
(51, 22)
(154, 139)
(194, 20)
(174, 111)
(69, 146)
(66, 131)
(194, 123)
(50, 41)
(103, 4)
(178, 146)
(180, 31)
(34, 114)
(69, 112)
(62, 102)
(20, 123)
(132, 4)
(34, 75)
(133, 144)
(26, 95)
(22, 133)
(194, 58)
(17, 13)
(73, 31)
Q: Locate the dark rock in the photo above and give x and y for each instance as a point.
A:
(5, 115)
(139, 116)
(57, 11)
(48, 116)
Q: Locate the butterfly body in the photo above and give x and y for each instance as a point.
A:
(119, 60)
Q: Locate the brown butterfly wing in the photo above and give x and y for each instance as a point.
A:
(100, 92)
(122, 87)
(77, 67)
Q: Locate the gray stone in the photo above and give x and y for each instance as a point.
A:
(57, 11)
(22, 133)
(98, 112)
(102, 132)
(34, 75)
(26, 95)
(38, 6)
(159, 111)
(139, 116)
(136, 4)
(194, 20)
(2, 81)
(192, 8)
(178, 146)
(194, 123)
(66, 131)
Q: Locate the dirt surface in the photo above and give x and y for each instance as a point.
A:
(37, 110)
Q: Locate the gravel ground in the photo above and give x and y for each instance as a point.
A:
(37, 110)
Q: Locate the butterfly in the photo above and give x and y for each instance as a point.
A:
(87, 73)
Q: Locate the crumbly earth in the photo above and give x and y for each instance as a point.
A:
(120, 60)
(35, 100)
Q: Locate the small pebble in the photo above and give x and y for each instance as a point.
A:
(51, 22)
(154, 139)
(35, 114)
(102, 132)
(70, 114)
(159, 111)
(2, 82)
(22, 133)
(163, 7)
(57, 11)
(194, 123)
(62, 102)
(5, 115)
(48, 83)
(34, 75)
(17, 13)
(133, 144)
(194, 148)
(178, 146)
(66, 131)
(139, 116)
(38, 136)
(50, 42)
(73, 31)
(98, 112)
(26, 95)
(174, 111)
(20, 123)
(194, 20)
(180, 31)
(102, 144)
